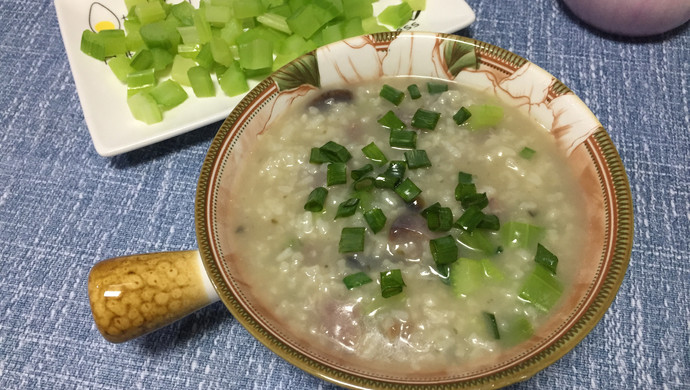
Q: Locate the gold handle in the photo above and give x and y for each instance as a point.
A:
(134, 295)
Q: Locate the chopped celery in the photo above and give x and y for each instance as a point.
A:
(188, 50)
(466, 276)
(352, 27)
(248, 8)
(274, 21)
(417, 5)
(218, 15)
(189, 34)
(256, 54)
(371, 25)
(200, 78)
(331, 33)
(92, 45)
(541, 288)
(515, 329)
(231, 31)
(141, 79)
(184, 12)
(114, 42)
(484, 115)
(179, 70)
(168, 94)
(520, 234)
(476, 241)
(308, 19)
(233, 81)
(491, 271)
(396, 15)
(149, 12)
(162, 59)
(203, 28)
(160, 34)
(221, 51)
(205, 57)
(120, 66)
(357, 9)
(142, 60)
(133, 39)
(144, 108)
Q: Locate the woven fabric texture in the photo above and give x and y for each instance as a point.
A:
(63, 207)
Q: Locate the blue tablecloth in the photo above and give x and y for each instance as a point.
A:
(63, 207)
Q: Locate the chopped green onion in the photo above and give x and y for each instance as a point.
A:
(317, 157)
(357, 174)
(541, 288)
(431, 209)
(477, 241)
(391, 283)
(403, 139)
(425, 119)
(464, 177)
(391, 121)
(365, 183)
(335, 152)
(316, 200)
(462, 115)
(375, 219)
(347, 208)
(546, 259)
(491, 323)
(373, 153)
(407, 190)
(470, 219)
(463, 190)
(336, 173)
(365, 197)
(392, 176)
(413, 90)
(356, 280)
(391, 94)
(351, 240)
(435, 88)
(444, 250)
(439, 219)
(478, 200)
(489, 222)
(417, 158)
(521, 235)
(527, 153)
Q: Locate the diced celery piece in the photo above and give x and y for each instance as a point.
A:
(205, 57)
(168, 94)
(248, 8)
(133, 37)
(149, 12)
(297, 4)
(113, 41)
(233, 81)
(119, 65)
(92, 45)
(491, 271)
(218, 15)
(173, 21)
(293, 47)
(333, 7)
(396, 15)
(142, 60)
(541, 288)
(256, 54)
(520, 235)
(188, 34)
(179, 69)
(141, 79)
(274, 21)
(308, 19)
(332, 33)
(131, 3)
(231, 31)
(184, 12)
(200, 78)
(160, 34)
(484, 115)
(357, 9)
(476, 241)
(162, 59)
(144, 108)
(221, 51)
(188, 51)
(417, 5)
(371, 25)
(282, 10)
(203, 28)
(466, 276)
(515, 329)
(352, 28)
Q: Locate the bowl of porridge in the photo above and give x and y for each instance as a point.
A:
(398, 210)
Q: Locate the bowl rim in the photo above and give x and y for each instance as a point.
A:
(619, 216)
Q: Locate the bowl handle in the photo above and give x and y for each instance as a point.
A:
(134, 295)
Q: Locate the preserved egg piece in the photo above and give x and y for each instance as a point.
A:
(407, 236)
(327, 99)
(340, 321)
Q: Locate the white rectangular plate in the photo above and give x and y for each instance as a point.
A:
(104, 98)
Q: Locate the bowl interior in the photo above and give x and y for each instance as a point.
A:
(512, 79)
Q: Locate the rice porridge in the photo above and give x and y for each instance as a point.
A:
(490, 295)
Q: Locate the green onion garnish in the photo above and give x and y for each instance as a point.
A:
(462, 115)
(391, 94)
(478, 200)
(375, 219)
(444, 250)
(356, 280)
(392, 176)
(527, 153)
(413, 90)
(403, 139)
(546, 258)
(317, 157)
(316, 200)
(391, 283)
(347, 208)
(335, 152)
(373, 153)
(356, 174)
(492, 325)
(351, 240)
(417, 158)
(407, 190)
(470, 219)
(439, 219)
(464, 177)
(435, 88)
(336, 173)
(489, 222)
(431, 209)
(365, 183)
(425, 119)
(391, 121)
(463, 190)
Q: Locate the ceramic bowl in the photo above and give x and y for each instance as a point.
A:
(514, 80)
